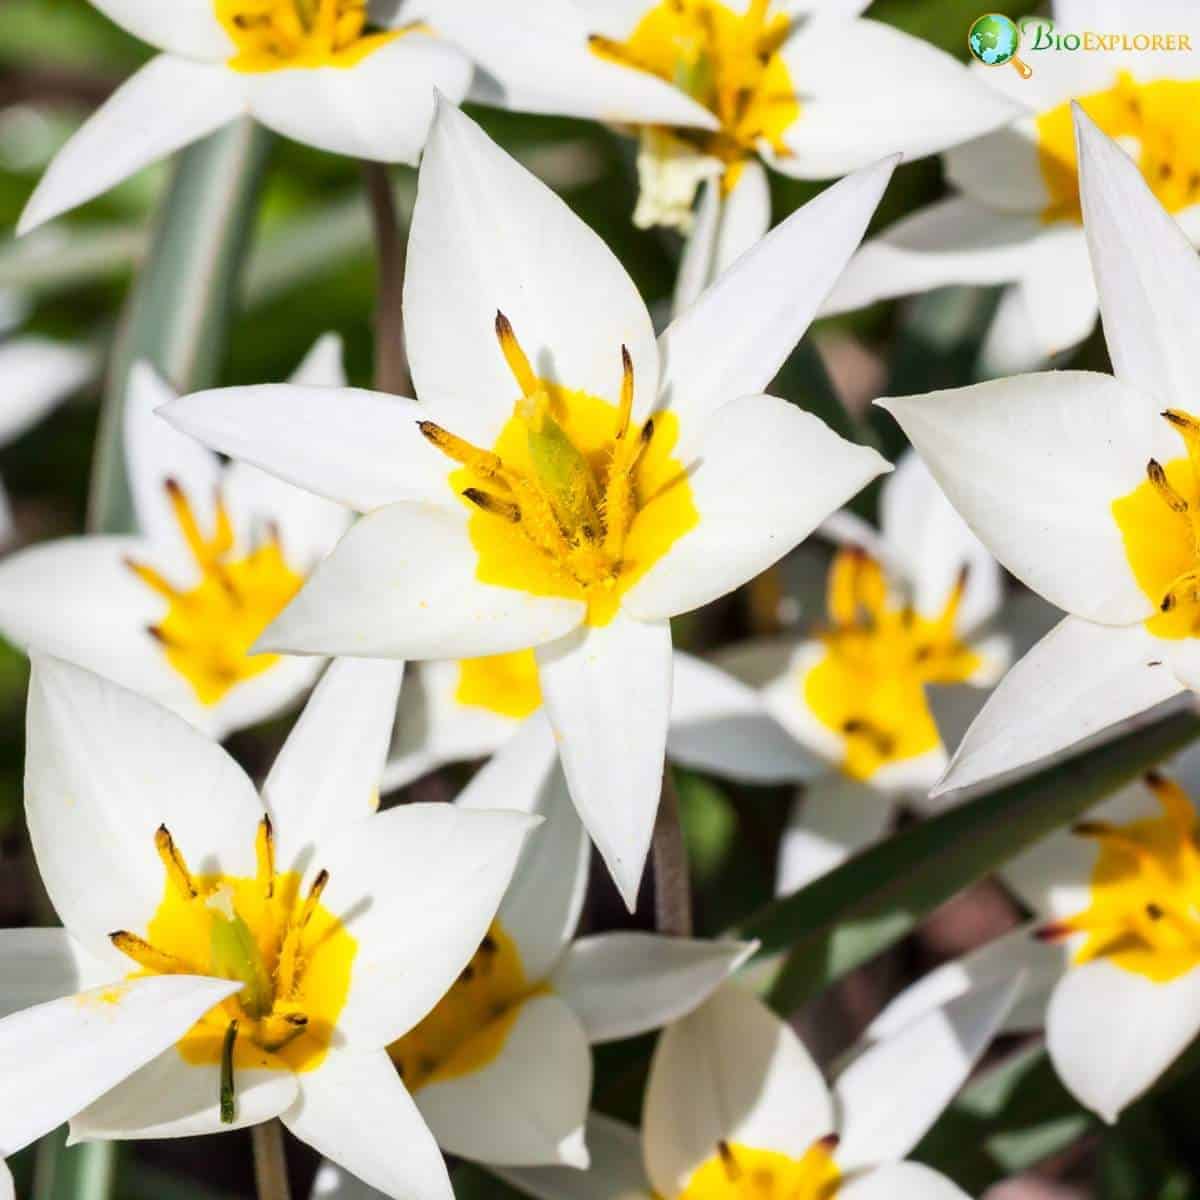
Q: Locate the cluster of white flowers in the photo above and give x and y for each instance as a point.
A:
(395, 982)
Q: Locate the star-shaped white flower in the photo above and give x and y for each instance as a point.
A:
(225, 959)
(717, 88)
(318, 72)
(1015, 216)
(567, 483)
(172, 612)
(1087, 487)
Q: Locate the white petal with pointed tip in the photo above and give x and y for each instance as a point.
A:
(901, 1181)
(38, 374)
(607, 691)
(59, 1056)
(7, 1190)
(189, 27)
(45, 964)
(1002, 170)
(170, 103)
(1079, 680)
(731, 1071)
(527, 1106)
(402, 584)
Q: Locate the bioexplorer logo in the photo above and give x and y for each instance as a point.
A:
(995, 40)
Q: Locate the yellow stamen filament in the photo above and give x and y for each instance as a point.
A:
(157, 962)
(264, 852)
(517, 361)
(290, 962)
(729, 1161)
(177, 872)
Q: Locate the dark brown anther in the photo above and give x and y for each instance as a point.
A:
(493, 505)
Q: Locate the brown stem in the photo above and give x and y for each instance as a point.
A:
(391, 361)
(672, 885)
(270, 1163)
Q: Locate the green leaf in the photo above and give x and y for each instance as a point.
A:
(179, 311)
(879, 896)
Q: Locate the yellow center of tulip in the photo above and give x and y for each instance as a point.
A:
(574, 499)
(741, 1173)
(869, 686)
(1160, 121)
(1144, 911)
(1160, 525)
(292, 956)
(469, 1025)
(274, 34)
(506, 684)
(209, 627)
(725, 60)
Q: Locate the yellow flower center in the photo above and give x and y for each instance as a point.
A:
(1144, 911)
(869, 687)
(727, 61)
(574, 499)
(1161, 119)
(209, 627)
(469, 1025)
(291, 954)
(1160, 526)
(741, 1173)
(506, 684)
(273, 34)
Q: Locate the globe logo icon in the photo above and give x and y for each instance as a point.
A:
(993, 39)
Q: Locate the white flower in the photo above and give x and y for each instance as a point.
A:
(567, 484)
(7, 1191)
(906, 609)
(716, 88)
(318, 74)
(1015, 218)
(240, 959)
(733, 1094)
(172, 613)
(1087, 487)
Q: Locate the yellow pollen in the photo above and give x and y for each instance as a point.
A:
(506, 684)
(244, 929)
(1161, 118)
(869, 685)
(1144, 910)
(273, 34)
(469, 1025)
(1160, 527)
(725, 60)
(574, 499)
(210, 626)
(738, 1172)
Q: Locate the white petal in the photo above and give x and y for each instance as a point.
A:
(168, 104)
(527, 1106)
(263, 697)
(59, 1056)
(326, 776)
(867, 89)
(323, 365)
(719, 725)
(401, 584)
(44, 964)
(895, 1090)
(1002, 170)
(1078, 680)
(1111, 1033)
(488, 236)
(189, 28)
(104, 769)
(901, 1181)
(833, 819)
(768, 474)
(417, 887)
(7, 1190)
(623, 984)
(355, 1111)
(616, 1171)
(731, 1070)
(542, 905)
(726, 227)
(379, 109)
(607, 693)
(332, 1183)
(358, 448)
(736, 336)
(170, 1098)
(1033, 464)
(1146, 272)
(38, 375)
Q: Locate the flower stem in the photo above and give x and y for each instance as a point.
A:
(391, 361)
(270, 1164)
(672, 885)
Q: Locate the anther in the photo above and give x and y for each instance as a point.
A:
(881, 741)
(482, 462)
(732, 1168)
(172, 860)
(145, 955)
(227, 1094)
(1055, 931)
(517, 361)
(829, 1143)
(1158, 477)
(493, 505)
(1154, 911)
(626, 406)
(313, 898)
(264, 852)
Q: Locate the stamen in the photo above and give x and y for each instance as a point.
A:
(881, 741)
(153, 579)
(518, 363)
(287, 969)
(482, 462)
(1055, 931)
(732, 1168)
(227, 1094)
(313, 898)
(829, 1143)
(1158, 477)
(1175, 803)
(186, 520)
(278, 1029)
(264, 851)
(172, 860)
(504, 509)
(145, 955)
(625, 410)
